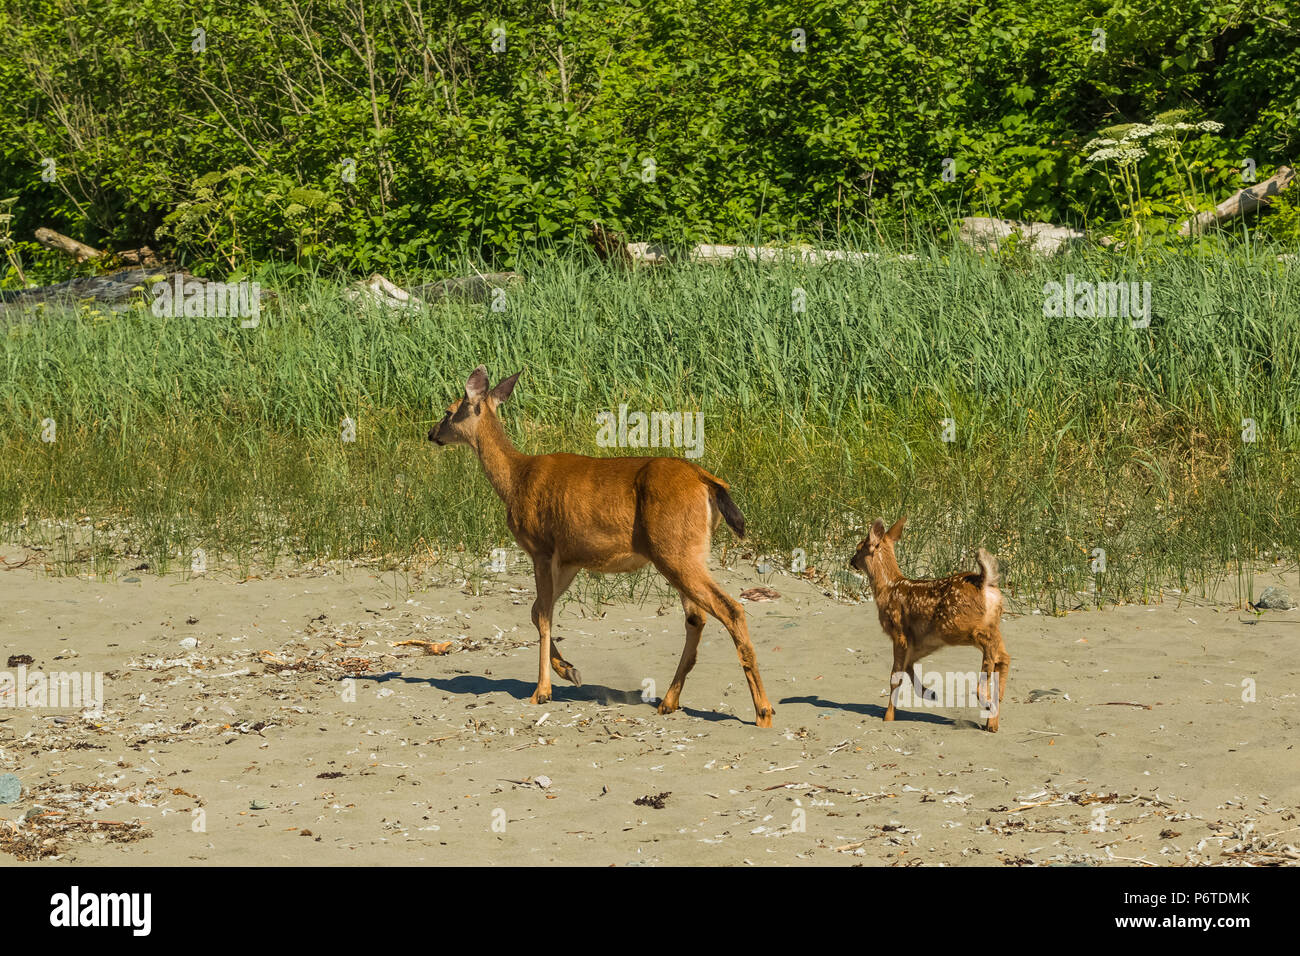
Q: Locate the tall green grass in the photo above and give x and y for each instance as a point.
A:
(1071, 434)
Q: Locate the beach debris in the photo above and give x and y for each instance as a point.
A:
(430, 647)
(654, 801)
(60, 815)
(45, 834)
(1274, 599)
(542, 781)
(758, 595)
(20, 660)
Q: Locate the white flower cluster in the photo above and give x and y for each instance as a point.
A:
(1127, 150)
(1123, 155)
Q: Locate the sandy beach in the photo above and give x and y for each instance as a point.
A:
(280, 721)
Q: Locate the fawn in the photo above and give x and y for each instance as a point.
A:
(608, 515)
(921, 617)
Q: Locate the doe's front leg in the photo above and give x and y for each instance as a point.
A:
(542, 609)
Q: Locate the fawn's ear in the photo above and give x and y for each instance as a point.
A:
(896, 531)
(476, 385)
(505, 387)
(877, 531)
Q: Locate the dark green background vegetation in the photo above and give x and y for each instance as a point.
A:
(236, 153)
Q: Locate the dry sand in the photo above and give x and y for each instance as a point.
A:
(1125, 736)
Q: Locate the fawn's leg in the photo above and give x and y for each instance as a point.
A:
(561, 577)
(694, 625)
(695, 583)
(542, 608)
(1002, 661)
(897, 673)
(989, 693)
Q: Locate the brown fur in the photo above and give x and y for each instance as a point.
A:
(608, 515)
(920, 617)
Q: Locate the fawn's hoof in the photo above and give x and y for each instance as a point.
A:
(540, 696)
(992, 725)
(574, 677)
(667, 708)
(929, 695)
(764, 718)
(889, 715)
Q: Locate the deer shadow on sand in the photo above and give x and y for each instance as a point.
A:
(876, 711)
(474, 686)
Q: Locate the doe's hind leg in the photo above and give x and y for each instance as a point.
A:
(694, 626)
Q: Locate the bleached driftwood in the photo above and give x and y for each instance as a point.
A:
(476, 288)
(1042, 237)
(379, 291)
(610, 246)
(1241, 202)
(805, 254)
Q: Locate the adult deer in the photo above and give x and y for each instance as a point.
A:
(608, 515)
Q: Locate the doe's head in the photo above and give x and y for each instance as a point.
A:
(461, 423)
(876, 544)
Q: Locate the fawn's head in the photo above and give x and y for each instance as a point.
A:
(876, 551)
(461, 423)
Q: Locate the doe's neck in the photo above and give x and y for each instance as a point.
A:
(500, 459)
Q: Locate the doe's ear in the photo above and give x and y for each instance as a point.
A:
(505, 387)
(476, 385)
(896, 531)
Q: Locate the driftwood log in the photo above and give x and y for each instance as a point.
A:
(112, 289)
(611, 247)
(144, 256)
(121, 289)
(1042, 237)
(476, 288)
(1240, 203)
